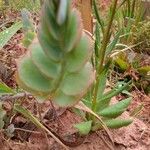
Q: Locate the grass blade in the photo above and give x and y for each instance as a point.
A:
(6, 35)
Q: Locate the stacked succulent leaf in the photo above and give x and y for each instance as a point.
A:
(56, 66)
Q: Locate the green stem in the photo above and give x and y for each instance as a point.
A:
(63, 66)
(97, 16)
(62, 73)
(128, 6)
(102, 52)
(133, 9)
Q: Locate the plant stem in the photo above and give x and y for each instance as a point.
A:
(102, 52)
(133, 9)
(128, 5)
(62, 72)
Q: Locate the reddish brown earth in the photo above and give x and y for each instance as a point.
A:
(134, 137)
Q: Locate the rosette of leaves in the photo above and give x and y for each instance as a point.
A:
(56, 65)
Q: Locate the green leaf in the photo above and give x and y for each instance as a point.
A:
(45, 65)
(103, 79)
(6, 35)
(113, 124)
(4, 89)
(144, 70)
(76, 83)
(84, 127)
(64, 100)
(79, 56)
(28, 27)
(105, 99)
(50, 21)
(117, 123)
(97, 41)
(73, 31)
(115, 91)
(57, 66)
(79, 112)
(87, 102)
(115, 110)
(28, 38)
(126, 93)
(40, 96)
(62, 11)
(123, 65)
(31, 77)
(99, 19)
(50, 46)
(26, 20)
(112, 44)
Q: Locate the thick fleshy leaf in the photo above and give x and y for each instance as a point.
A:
(41, 96)
(73, 31)
(80, 55)
(50, 21)
(115, 110)
(51, 7)
(106, 98)
(43, 63)
(49, 44)
(64, 100)
(84, 127)
(47, 69)
(115, 91)
(50, 48)
(113, 124)
(31, 76)
(117, 123)
(77, 83)
(62, 11)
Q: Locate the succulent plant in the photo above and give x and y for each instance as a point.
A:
(57, 65)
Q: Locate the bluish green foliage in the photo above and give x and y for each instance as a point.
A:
(57, 64)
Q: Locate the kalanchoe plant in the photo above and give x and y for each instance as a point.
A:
(56, 65)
